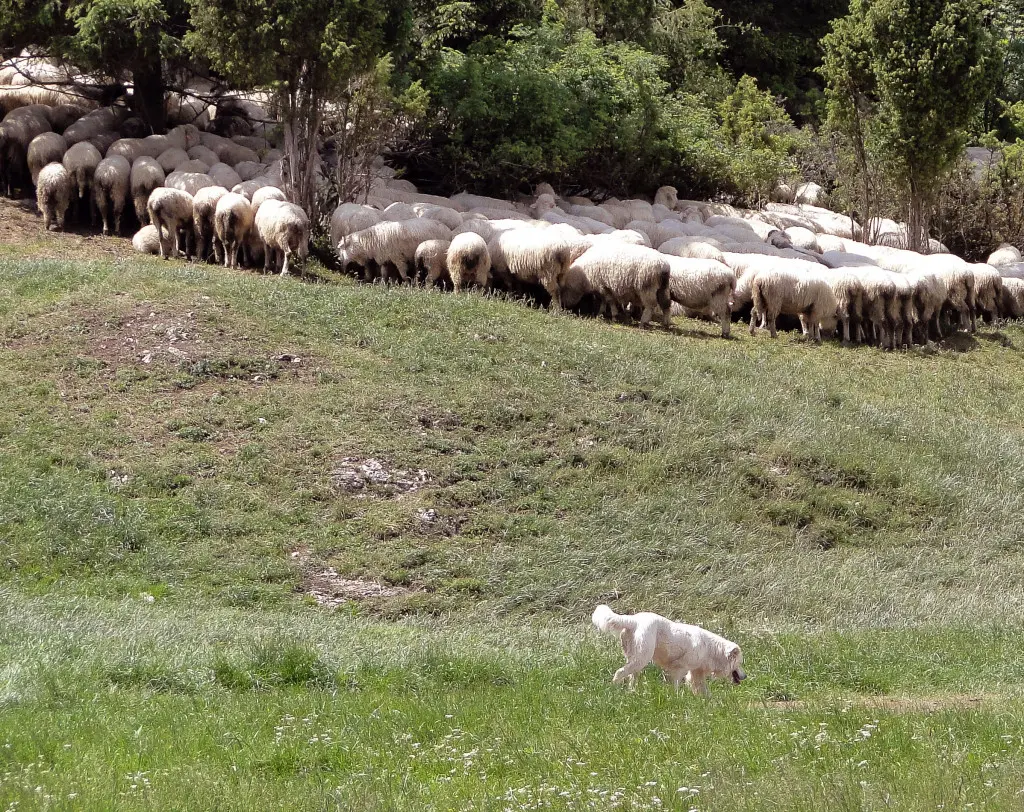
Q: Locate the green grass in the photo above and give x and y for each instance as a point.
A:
(171, 435)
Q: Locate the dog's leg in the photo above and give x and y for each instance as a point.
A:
(638, 656)
(698, 682)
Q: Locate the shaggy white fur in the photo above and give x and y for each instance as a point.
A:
(683, 652)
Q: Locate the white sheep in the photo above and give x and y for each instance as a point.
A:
(232, 220)
(81, 161)
(170, 210)
(193, 165)
(146, 176)
(810, 194)
(468, 202)
(1005, 254)
(110, 187)
(266, 193)
(431, 261)
(525, 257)
(449, 217)
(988, 290)
(130, 148)
(625, 276)
(284, 229)
(794, 293)
(693, 248)
(54, 188)
(1012, 305)
(204, 154)
(703, 285)
(667, 196)
(147, 240)
(189, 182)
(348, 218)
(388, 246)
(468, 261)
(170, 159)
(44, 149)
(204, 208)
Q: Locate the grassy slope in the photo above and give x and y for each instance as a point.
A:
(851, 517)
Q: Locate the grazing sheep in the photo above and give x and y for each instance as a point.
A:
(349, 218)
(431, 261)
(146, 176)
(468, 261)
(1012, 305)
(627, 276)
(468, 202)
(591, 212)
(693, 248)
(703, 285)
(250, 187)
(44, 149)
(170, 210)
(110, 187)
(247, 170)
(204, 154)
(193, 165)
(523, 257)
(54, 188)
(130, 148)
(389, 247)
(81, 161)
(223, 175)
(147, 240)
(448, 217)
(17, 130)
(988, 290)
(204, 207)
(172, 158)
(266, 193)
(284, 229)
(807, 295)
(190, 182)
(849, 293)
(1005, 255)
(232, 219)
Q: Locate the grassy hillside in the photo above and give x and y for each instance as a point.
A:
(192, 460)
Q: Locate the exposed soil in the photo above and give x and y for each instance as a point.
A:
(21, 225)
(369, 478)
(332, 590)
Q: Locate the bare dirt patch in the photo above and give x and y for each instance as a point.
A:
(328, 588)
(372, 478)
(21, 226)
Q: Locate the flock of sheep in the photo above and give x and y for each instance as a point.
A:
(211, 188)
(219, 196)
(636, 259)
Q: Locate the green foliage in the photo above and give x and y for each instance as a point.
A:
(764, 140)
(559, 105)
(982, 207)
(905, 79)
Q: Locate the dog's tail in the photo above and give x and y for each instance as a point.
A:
(607, 621)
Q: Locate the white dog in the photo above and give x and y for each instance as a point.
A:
(683, 652)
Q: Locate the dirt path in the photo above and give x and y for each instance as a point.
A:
(21, 227)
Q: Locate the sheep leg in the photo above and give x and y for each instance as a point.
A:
(284, 266)
(726, 320)
(772, 331)
(158, 224)
(754, 315)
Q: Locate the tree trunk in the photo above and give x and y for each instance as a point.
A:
(148, 98)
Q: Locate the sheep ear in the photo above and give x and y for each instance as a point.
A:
(733, 652)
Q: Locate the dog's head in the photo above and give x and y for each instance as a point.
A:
(735, 660)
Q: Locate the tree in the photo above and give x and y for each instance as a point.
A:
(905, 78)
(110, 40)
(304, 52)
